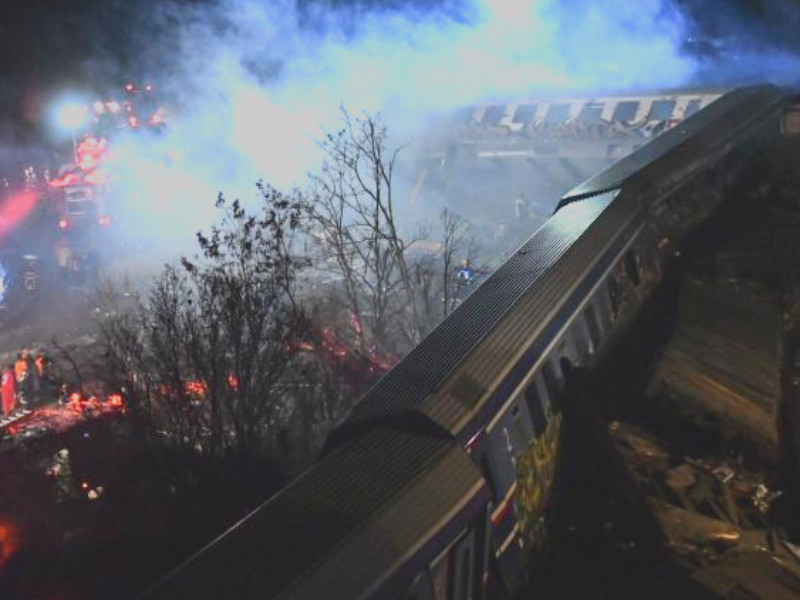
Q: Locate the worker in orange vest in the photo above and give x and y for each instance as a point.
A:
(9, 400)
(21, 375)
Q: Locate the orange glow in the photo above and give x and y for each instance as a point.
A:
(9, 542)
(14, 210)
(233, 382)
(68, 179)
(96, 178)
(115, 400)
(196, 387)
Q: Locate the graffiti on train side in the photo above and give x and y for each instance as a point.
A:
(535, 470)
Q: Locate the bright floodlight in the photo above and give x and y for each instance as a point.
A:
(71, 115)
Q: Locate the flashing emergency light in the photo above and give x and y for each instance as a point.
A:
(63, 224)
(71, 116)
(96, 178)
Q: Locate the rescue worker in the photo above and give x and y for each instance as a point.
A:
(63, 397)
(63, 257)
(520, 206)
(466, 273)
(39, 378)
(21, 374)
(41, 364)
(7, 391)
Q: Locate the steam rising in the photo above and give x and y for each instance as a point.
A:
(253, 82)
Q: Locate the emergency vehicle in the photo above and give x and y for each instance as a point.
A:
(82, 192)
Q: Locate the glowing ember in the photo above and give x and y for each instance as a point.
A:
(9, 542)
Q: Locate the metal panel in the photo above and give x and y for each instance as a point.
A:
(452, 490)
(326, 507)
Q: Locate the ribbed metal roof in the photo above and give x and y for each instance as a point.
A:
(538, 269)
(328, 507)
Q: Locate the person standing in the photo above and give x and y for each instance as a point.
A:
(520, 206)
(7, 391)
(21, 374)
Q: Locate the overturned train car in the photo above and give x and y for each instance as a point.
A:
(436, 486)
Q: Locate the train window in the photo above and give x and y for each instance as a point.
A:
(632, 266)
(493, 115)
(551, 382)
(614, 296)
(463, 562)
(465, 576)
(691, 108)
(520, 438)
(593, 325)
(661, 110)
(501, 456)
(525, 113)
(465, 115)
(557, 113)
(536, 408)
(440, 576)
(625, 111)
(421, 589)
(590, 113)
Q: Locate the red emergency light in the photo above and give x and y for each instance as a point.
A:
(68, 179)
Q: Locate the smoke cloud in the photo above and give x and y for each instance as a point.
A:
(252, 83)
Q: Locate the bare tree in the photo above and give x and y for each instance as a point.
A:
(394, 286)
(205, 354)
(352, 211)
(438, 286)
(456, 246)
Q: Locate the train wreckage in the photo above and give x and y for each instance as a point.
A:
(655, 316)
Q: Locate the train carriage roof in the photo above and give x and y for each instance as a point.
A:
(361, 510)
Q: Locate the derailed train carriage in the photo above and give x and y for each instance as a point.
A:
(437, 484)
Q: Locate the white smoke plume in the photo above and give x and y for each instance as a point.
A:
(252, 82)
